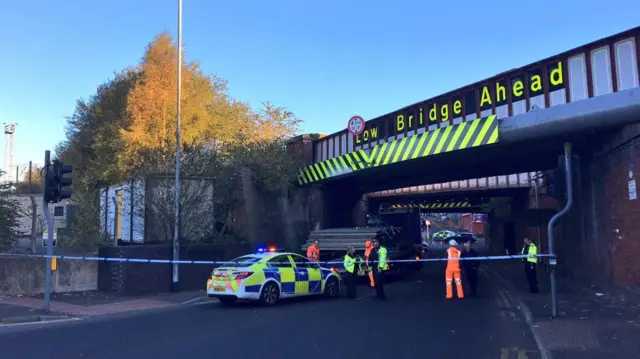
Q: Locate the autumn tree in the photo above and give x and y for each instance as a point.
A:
(262, 149)
(10, 215)
(127, 130)
(272, 123)
(207, 111)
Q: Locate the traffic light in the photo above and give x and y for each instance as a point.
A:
(61, 182)
(55, 182)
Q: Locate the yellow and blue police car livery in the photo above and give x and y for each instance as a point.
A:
(270, 275)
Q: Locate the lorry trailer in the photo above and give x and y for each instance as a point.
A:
(398, 240)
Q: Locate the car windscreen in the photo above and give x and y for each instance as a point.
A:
(241, 262)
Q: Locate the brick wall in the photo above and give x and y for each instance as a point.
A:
(144, 278)
(613, 220)
(283, 219)
(247, 213)
(597, 240)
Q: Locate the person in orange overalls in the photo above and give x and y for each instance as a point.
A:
(453, 270)
(313, 252)
(368, 247)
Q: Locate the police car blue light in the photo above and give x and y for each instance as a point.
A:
(271, 249)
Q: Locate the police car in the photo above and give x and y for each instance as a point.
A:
(270, 275)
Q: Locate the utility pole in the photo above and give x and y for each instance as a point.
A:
(45, 209)
(176, 231)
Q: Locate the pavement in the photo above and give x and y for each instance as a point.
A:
(415, 321)
(86, 304)
(591, 323)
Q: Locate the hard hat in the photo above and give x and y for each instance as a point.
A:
(453, 242)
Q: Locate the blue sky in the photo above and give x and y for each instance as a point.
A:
(324, 60)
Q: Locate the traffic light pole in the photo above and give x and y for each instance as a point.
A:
(45, 209)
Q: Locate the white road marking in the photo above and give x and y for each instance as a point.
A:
(208, 301)
(193, 300)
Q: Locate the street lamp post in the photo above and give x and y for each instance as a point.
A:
(176, 231)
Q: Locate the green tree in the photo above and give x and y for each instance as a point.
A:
(10, 215)
(92, 146)
(93, 140)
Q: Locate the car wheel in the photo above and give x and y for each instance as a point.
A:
(270, 294)
(332, 288)
(228, 300)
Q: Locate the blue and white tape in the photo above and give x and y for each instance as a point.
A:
(170, 261)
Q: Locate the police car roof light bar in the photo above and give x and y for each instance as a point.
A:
(270, 249)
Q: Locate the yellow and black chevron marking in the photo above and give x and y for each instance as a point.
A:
(433, 205)
(479, 132)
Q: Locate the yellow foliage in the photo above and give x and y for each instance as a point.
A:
(207, 113)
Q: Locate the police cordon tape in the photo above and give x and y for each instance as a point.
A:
(170, 261)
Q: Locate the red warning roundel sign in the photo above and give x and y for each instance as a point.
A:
(355, 126)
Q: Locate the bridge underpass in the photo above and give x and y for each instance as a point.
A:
(515, 122)
(506, 208)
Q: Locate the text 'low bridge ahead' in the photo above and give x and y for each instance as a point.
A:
(479, 132)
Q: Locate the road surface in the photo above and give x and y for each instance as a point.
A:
(415, 322)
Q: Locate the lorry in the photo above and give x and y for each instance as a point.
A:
(398, 232)
(474, 223)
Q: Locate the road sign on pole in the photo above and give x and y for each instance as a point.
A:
(355, 126)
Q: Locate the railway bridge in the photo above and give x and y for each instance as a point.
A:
(503, 145)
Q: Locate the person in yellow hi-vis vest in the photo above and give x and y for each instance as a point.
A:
(529, 248)
(378, 257)
(351, 259)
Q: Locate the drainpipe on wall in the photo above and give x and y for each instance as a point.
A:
(552, 259)
(535, 188)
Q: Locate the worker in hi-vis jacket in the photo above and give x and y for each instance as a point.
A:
(453, 270)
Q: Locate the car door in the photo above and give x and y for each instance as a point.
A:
(286, 273)
(308, 276)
